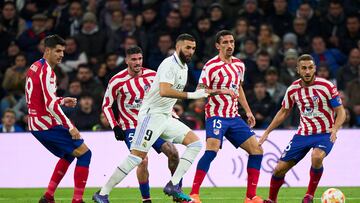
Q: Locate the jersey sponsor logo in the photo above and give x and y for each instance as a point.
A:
(135, 105)
(179, 87)
(309, 112)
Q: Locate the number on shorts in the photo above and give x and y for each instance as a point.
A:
(288, 147)
(148, 135)
(131, 137)
(217, 123)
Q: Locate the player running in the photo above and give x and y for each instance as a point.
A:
(50, 126)
(128, 88)
(317, 100)
(222, 118)
(155, 120)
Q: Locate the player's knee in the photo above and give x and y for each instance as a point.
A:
(279, 172)
(84, 160)
(317, 160)
(256, 149)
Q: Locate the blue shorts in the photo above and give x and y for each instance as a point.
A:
(234, 129)
(57, 140)
(129, 135)
(300, 145)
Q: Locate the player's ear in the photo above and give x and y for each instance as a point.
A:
(217, 45)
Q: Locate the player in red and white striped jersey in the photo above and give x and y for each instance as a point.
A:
(317, 100)
(223, 76)
(128, 88)
(49, 124)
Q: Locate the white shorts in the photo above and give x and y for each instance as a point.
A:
(152, 126)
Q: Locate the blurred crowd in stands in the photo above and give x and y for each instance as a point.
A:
(269, 34)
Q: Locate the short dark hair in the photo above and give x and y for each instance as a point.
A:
(84, 65)
(263, 52)
(52, 40)
(305, 57)
(133, 50)
(184, 37)
(221, 34)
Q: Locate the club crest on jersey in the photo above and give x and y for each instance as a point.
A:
(216, 131)
(315, 99)
(144, 144)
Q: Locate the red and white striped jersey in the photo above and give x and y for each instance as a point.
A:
(314, 103)
(129, 93)
(217, 74)
(43, 104)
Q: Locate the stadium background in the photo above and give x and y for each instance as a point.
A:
(269, 36)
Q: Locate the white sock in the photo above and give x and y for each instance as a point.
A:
(186, 160)
(120, 173)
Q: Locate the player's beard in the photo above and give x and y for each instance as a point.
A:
(136, 69)
(183, 58)
(308, 81)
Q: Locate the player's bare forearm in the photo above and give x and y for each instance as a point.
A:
(167, 91)
(243, 101)
(279, 118)
(340, 116)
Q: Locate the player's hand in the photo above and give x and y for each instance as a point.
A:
(70, 102)
(333, 136)
(251, 119)
(229, 92)
(119, 133)
(263, 138)
(75, 134)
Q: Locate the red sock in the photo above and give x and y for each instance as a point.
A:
(198, 179)
(315, 175)
(275, 185)
(80, 176)
(59, 172)
(253, 178)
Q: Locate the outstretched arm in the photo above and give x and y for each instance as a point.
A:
(167, 91)
(279, 118)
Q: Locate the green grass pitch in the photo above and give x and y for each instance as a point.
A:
(208, 195)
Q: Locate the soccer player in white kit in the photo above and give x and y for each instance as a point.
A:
(155, 120)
